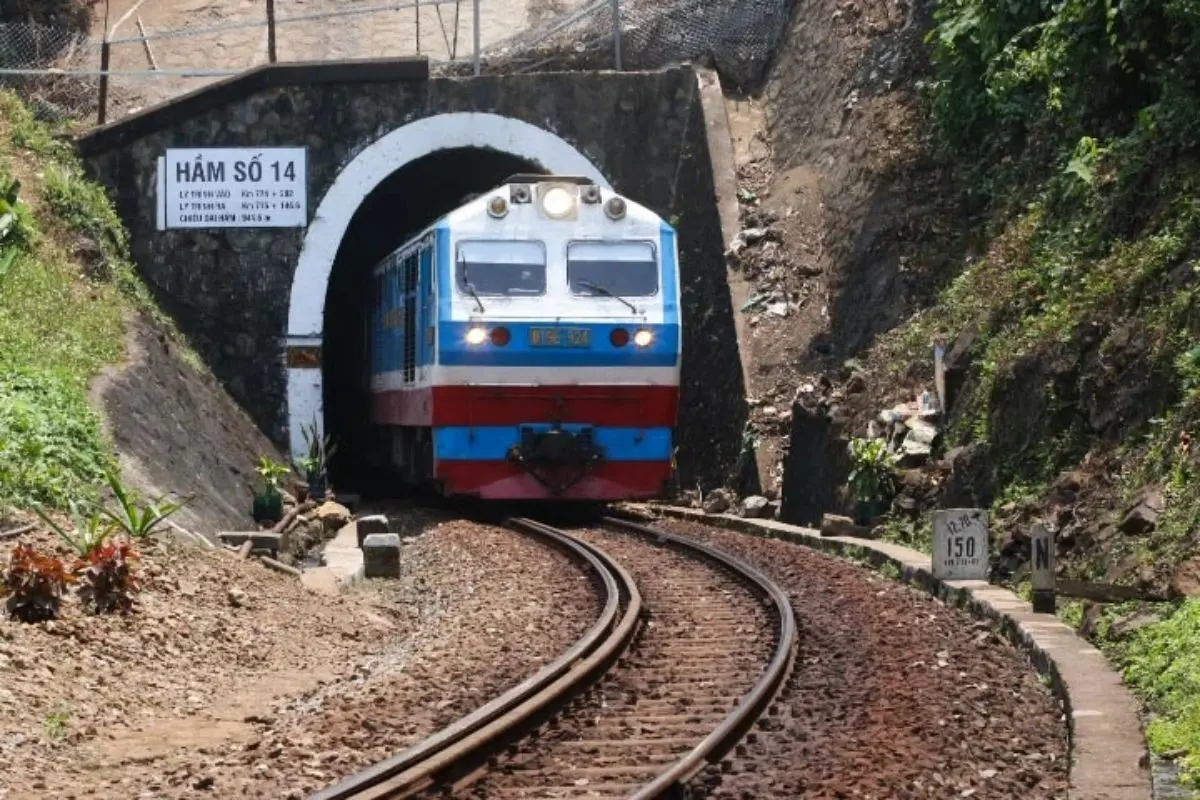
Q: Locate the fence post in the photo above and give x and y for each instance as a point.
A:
(271, 31)
(102, 101)
(616, 15)
(478, 65)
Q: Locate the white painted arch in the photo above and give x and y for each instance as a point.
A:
(389, 153)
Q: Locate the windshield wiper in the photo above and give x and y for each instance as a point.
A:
(470, 287)
(606, 291)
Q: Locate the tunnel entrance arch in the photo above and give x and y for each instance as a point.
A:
(508, 138)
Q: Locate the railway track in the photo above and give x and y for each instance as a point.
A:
(677, 668)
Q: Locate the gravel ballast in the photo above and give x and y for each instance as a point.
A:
(893, 694)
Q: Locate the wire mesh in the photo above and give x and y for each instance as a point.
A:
(170, 51)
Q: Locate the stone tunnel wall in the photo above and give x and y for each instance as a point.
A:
(229, 289)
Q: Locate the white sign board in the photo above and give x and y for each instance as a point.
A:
(960, 544)
(233, 187)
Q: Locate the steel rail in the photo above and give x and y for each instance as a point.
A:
(735, 725)
(466, 745)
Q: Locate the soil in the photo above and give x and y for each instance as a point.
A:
(893, 694)
(230, 680)
(177, 431)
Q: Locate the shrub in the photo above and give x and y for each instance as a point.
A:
(872, 473)
(109, 583)
(140, 520)
(34, 584)
(90, 534)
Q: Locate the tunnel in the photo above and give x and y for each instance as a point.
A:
(401, 205)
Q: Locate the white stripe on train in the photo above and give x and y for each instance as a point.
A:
(528, 376)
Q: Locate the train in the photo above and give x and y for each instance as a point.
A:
(526, 346)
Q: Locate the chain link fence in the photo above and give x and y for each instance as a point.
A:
(150, 60)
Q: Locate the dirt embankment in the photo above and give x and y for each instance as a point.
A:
(837, 190)
(176, 430)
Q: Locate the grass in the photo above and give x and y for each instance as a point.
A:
(66, 285)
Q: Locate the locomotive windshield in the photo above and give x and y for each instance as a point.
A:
(623, 269)
(501, 268)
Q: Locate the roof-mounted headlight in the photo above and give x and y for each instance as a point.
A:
(558, 202)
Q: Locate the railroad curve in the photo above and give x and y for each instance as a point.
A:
(681, 666)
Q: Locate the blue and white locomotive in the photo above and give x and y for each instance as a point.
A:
(526, 345)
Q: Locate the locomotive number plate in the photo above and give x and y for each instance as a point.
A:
(560, 337)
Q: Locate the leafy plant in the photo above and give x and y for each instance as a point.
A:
(109, 583)
(90, 534)
(140, 520)
(271, 473)
(872, 472)
(34, 584)
(320, 450)
(56, 723)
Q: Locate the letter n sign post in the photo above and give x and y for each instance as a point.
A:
(1041, 542)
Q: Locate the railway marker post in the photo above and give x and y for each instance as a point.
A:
(1041, 545)
(960, 544)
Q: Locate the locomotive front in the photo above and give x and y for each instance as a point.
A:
(558, 345)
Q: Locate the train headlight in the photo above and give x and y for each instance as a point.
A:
(558, 202)
(476, 335)
(643, 338)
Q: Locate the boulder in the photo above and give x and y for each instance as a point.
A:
(332, 516)
(1143, 517)
(756, 506)
(717, 502)
(1186, 580)
(837, 525)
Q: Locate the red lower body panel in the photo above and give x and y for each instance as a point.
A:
(502, 480)
(612, 406)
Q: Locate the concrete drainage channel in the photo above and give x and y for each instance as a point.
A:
(467, 753)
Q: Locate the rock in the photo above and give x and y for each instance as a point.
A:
(1143, 517)
(956, 363)
(332, 516)
(920, 431)
(970, 483)
(837, 525)
(857, 384)
(778, 309)
(717, 502)
(236, 597)
(755, 506)
(1186, 580)
(1132, 623)
(381, 555)
(369, 525)
(914, 452)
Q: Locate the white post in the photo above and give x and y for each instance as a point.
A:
(616, 15)
(478, 66)
(960, 544)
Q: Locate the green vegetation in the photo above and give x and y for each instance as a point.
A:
(1163, 661)
(1073, 129)
(66, 285)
